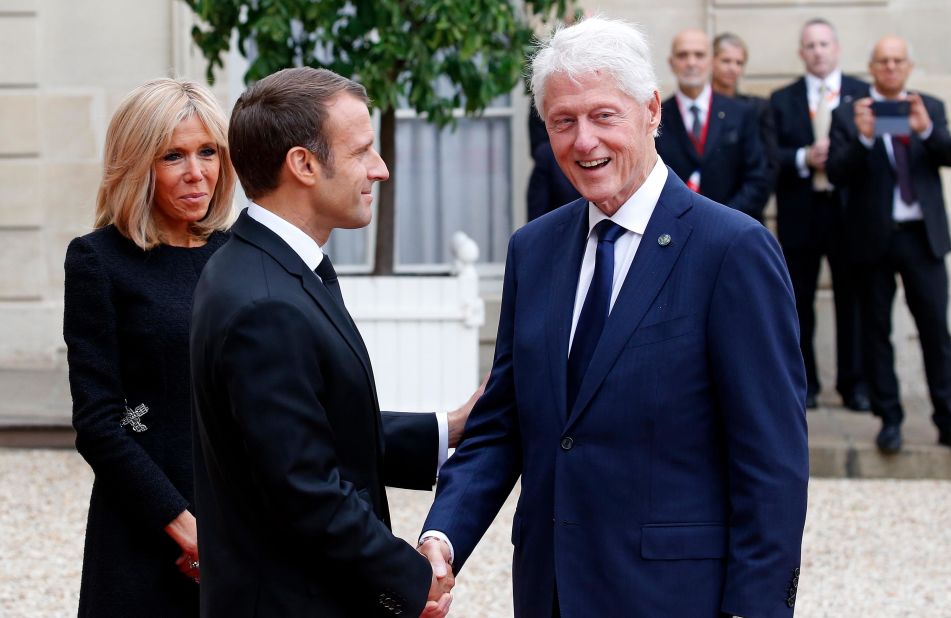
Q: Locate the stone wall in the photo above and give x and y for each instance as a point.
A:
(64, 66)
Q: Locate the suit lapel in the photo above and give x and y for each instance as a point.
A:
(648, 273)
(272, 244)
(800, 103)
(562, 290)
(716, 118)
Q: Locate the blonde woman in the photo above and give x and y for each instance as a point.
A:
(163, 205)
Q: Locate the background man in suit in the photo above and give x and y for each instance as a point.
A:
(548, 187)
(710, 141)
(729, 62)
(898, 225)
(290, 465)
(647, 384)
(810, 217)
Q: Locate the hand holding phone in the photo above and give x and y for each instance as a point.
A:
(891, 117)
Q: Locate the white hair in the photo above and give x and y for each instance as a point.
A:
(611, 46)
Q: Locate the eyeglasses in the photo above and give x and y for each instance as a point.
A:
(883, 62)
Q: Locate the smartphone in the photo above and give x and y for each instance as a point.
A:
(891, 117)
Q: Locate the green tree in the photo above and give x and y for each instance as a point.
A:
(398, 49)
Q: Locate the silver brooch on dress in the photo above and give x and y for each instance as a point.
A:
(132, 417)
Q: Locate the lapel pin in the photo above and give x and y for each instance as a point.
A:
(663, 240)
(721, 115)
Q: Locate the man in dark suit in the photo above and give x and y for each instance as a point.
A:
(810, 218)
(729, 62)
(548, 187)
(897, 226)
(290, 464)
(647, 385)
(710, 141)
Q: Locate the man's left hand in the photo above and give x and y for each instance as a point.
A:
(918, 116)
(458, 417)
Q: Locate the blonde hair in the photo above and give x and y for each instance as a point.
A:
(140, 130)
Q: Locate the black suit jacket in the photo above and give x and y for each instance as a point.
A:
(767, 133)
(733, 169)
(289, 447)
(796, 215)
(548, 187)
(869, 180)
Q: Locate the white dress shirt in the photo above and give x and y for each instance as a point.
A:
(311, 253)
(633, 217)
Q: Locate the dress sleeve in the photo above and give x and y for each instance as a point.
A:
(90, 332)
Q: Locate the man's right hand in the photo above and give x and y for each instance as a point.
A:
(437, 552)
(818, 154)
(865, 118)
(437, 609)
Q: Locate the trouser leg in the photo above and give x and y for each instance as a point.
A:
(803, 268)
(926, 290)
(877, 295)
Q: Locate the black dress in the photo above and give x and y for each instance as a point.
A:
(126, 324)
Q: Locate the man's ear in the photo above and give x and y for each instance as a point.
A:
(654, 107)
(302, 166)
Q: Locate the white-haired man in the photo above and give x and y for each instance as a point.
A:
(647, 385)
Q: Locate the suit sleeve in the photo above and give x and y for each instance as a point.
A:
(90, 332)
(785, 152)
(270, 365)
(753, 192)
(476, 480)
(767, 129)
(847, 155)
(938, 144)
(760, 382)
(411, 443)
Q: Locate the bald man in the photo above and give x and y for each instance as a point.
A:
(897, 226)
(711, 141)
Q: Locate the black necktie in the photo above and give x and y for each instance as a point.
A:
(594, 311)
(325, 270)
(906, 189)
(697, 127)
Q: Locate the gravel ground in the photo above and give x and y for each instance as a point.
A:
(871, 549)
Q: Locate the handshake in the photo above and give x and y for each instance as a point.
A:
(437, 552)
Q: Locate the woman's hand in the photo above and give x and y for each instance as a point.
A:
(184, 531)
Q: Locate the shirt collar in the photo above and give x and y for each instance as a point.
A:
(833, 82)
(634, 214)
(702, 100)
(302, 244)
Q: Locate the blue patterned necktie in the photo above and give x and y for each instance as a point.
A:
(594, 311)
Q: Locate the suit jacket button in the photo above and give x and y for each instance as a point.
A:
(567, 443)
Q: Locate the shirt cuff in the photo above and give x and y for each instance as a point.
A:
(927, 132)
(868, 143)
(442, 451)
(801, 163)
(436, 534)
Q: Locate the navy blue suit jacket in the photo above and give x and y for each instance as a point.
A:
(733, 167)
(676, 485)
